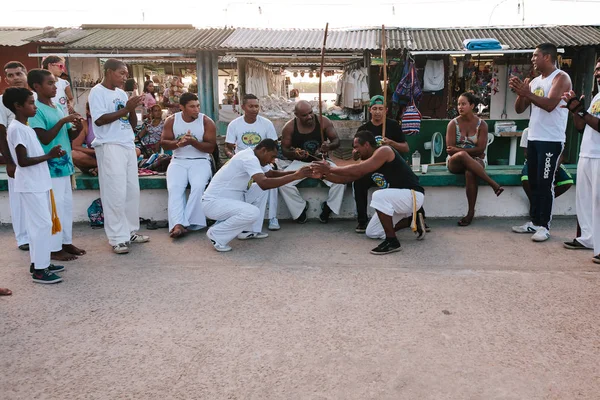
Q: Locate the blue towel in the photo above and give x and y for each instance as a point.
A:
(482, 44)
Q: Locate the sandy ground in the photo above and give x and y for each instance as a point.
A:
(308, 313)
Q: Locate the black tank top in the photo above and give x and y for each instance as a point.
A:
(396, 174)
(311, 142)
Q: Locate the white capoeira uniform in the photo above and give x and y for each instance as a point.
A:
(33, 184)
(117, 166)
(294, 201)
(245, 135)
(188, 165)
(233, 200)
(588, 184)
(16, 214)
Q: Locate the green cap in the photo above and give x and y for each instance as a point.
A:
(376, 100)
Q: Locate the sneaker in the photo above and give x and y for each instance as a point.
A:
(135, 238)
(121, 248)
(45, 276)
(361, 227)
(386, 247)
(325, 213)
(529, 227)
(245, 235)
(596, 259)
(427, 228)
(575, 245)
(274, 224)
(541, 235)
(421, 228)
(303, 218)
(24, 247)
(218, 246)
(52, 268)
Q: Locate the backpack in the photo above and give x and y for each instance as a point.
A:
(95, 214)
(411, 118)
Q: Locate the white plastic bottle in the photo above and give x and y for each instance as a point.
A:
(416, 161)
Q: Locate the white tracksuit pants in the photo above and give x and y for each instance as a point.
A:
(294, 201)
(17, 215)
(395, 202)
(119, 191)
(38, 222)
(179, 173)
(235, 216)
(273, 201)
(63, 198)
(588, 202)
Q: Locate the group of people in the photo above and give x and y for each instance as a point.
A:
(36, 134)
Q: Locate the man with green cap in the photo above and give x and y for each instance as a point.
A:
(393, 138)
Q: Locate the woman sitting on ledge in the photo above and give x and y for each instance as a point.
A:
(466, 141)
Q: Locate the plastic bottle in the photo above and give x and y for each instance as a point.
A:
(416, 161)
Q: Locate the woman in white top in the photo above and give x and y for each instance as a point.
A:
(64, 95)
(466, 141)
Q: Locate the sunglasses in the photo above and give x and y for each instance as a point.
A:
(61, 66)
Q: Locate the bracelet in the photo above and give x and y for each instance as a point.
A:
(582, 113)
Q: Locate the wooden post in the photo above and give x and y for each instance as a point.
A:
(320, 84)
(383, 56)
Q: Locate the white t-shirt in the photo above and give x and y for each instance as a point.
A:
(590, 144)
(35, 178)
(524, 138)
(245, 135)
(234, 178)
(7, 116)
(105, 101)
(61, 94)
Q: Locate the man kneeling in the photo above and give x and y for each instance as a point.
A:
(236, 194)
(398, 202)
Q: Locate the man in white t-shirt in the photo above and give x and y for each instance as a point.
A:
(64, 95)
(114, 117)
(236, 193)
(588, 170)
(547, 134)
(15, 75)
(246, 132)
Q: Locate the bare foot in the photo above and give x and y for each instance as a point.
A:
(498, 190)
(178, 231)
(62, 256)
(466, 220)
(71, 249)
(5, 292)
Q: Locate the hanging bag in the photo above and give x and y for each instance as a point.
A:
(411, 119)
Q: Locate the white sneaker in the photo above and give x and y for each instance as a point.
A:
(529, 227)
(218, 246)
(245, 235)
(541, 235)
(121, 248)
(274, 224)
(135, 238)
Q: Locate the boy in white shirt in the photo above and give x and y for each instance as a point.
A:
(246, 132)
(33, 182)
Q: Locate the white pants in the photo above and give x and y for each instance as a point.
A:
(273, 201)
(395, 202)
(38, 222)
(179, 173)
(119, 191)
(294, 201)
(235, 216)
(16, 214)
(588, 202)
(63, 197)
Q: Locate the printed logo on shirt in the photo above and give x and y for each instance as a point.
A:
(311, 146)
(539, 92)
(251, 139)
(179, 136)
(62, 101)
(547, 165)
(119, 105)
(379, 140)
(380, 180)
(595, 108)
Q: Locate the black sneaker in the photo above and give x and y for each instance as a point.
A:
(52, 268)
(325, 213)
(303, 218)
(45, 276)
(361, 227)
(575, 245)
(421, 227)
(386, 247)
(596, 259)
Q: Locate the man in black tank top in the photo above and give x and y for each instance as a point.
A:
(301, 142)
(400, 197)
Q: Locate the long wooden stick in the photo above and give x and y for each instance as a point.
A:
(383, 56)
(320, 84)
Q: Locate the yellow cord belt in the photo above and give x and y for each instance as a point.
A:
(413, 223)
(55, 220)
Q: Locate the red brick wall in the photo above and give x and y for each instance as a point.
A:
(10, 53)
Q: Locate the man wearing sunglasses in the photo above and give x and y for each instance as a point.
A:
(64, 96)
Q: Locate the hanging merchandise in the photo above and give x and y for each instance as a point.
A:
(352, 87)
(411, 119)
(409, 88)
(262, 81)
(433, 77)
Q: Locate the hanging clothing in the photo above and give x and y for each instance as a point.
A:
(433, 77)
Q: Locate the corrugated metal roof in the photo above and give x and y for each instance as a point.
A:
(17, 36)
(302, 39)
(62, 36)
(152, 38)
(515, 37)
